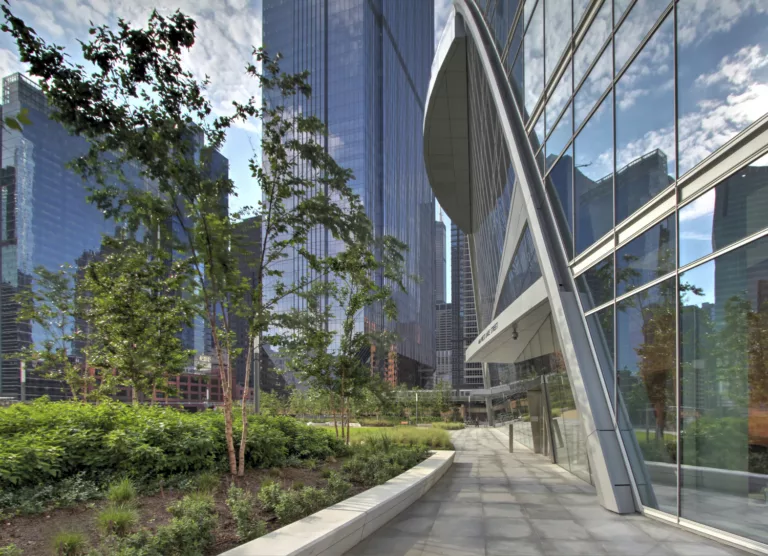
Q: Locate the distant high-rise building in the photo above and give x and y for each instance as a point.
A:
(369, 65)
(444, 344)
(46, 221)
(440, 277)
(464, 322)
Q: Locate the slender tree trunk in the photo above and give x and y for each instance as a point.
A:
(333, 410)
(244, 412)
(225, 373)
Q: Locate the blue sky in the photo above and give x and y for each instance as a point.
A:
(227, 31)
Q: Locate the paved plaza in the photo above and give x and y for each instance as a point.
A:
(493, 503)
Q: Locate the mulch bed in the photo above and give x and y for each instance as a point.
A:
(34, 533)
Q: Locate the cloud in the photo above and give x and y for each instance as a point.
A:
(696, 236)
(702, 206)
(442, 11)
(735, 70)
(226, 32)
(708, 17)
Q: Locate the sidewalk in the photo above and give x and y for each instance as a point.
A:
(493, 503)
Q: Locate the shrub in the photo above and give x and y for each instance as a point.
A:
(190, 532)
(448, 426)
(372, 466)
(72, 543)
(117, 520)
(431, 437)
(297, 504)
(338, 488)
(207, 481)
(10, 550)
(121, 492)
(269, 495)
(240, 504)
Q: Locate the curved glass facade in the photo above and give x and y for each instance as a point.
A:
(630, 108)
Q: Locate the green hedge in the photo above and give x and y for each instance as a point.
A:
(44, 441)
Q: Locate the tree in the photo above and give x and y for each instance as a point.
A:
(332, 360)
(140, 106)
(137, 314)
(52, 307)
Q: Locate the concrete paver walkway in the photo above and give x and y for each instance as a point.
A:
(493, 503)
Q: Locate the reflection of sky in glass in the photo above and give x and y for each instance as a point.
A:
(557, 31)
(596, 36)
(559, 97)
(702, 276)
(533, 50)
(722, 72)
(598, 80)
(636, 26)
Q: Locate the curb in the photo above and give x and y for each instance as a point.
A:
(338, 528)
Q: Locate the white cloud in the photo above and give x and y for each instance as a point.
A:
(702, 206)
(708, 17)
(696, 236)
(735, 70)
(9, 63)
(442, 11)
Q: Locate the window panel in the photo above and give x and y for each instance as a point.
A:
(619, 7)
(528, 9)
(647, 257)
(559, 137)
(579, 9)
(523, 272)
(593, 153)
(596, 284)
(533, 51)
(635, 27)
(537, 134)
(558, 32)
(645, 132)
(724, 390)
(559, 186)
(723, 72)
(645, 362)
(598, 80)
(589, 48)
(501, 21)
(600, 325)
(514, 45)
(517, 78)
(559, 98)
(732, 210)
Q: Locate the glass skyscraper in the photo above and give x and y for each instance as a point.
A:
(369, 64)
(46, 220)
(608, 163)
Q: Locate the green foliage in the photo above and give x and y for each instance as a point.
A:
(35, 499)
(122, 491)
(117, 519)
(136, 315)
(448, 426)
(16, 123)
(191, 530)
(207, 481)
(46, 446)
(272, 404)
(338, 488)
(379, 460)
(69, 543)
(435, 438)
(11, 550)
(293, 505)
(269, 495)
(241, 505)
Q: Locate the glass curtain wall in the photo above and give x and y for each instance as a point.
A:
(642, 94)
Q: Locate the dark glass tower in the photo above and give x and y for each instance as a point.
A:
(369, 64)
(47, 221)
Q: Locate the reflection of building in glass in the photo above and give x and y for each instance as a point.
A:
(607, 183)
(47, 221)
(440, 262)
(369, 65)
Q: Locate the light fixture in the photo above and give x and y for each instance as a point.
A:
(514, 332)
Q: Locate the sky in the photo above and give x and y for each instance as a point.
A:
(227, 31)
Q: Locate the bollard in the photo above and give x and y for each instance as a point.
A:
(511, 437)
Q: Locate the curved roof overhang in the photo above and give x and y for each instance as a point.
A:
(446, 135)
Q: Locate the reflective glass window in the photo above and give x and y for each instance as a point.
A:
(537, 134)
(600, 325)
(722, 65)
(619, 7)
(645, 131)
(523, 271)
(559, 98)
(514, 45)
(579, 9)
(557, 32)
(647, 257)
(528, 9)
(598, 80)
(645, 363)
(724, 391)
(637, 24)
(596, 284)
(593, 176)
(501, 21)
(517, 78)
(589, 48)
(732, 210)
(560, 137)
(533, 51)
(559, 184)
(492, 179)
